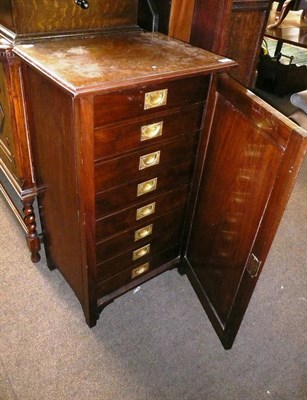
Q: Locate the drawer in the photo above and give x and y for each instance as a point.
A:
(114, 200)
(148, 99)
(136, 237)
(139, 270)
(115, 140)
(141, 164)
(139, 254)
(141, 213)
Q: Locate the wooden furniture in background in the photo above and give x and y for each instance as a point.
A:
(147, 156)
(233, 28)
(292, 30)
(15, 156)
(283, 9)
(29, 21)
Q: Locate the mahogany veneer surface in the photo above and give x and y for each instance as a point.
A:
(108, 61)
(86, 101)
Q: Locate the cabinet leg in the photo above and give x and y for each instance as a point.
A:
(91, 319)
(51, 265)
(31, 236)
(286, 7)
(181, 269)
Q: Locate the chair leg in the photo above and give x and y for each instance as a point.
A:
(287, 6)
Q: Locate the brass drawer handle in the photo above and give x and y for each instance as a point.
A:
(147, 186)
(143, 232)
(151, 131)
(141, 252)
(149, 160)
(139, 270)
(154, 99)
(145, 211)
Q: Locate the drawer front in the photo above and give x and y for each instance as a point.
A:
(104, 287)
(145, 251)
(130, 258)
(115, 140)
(149, 99)
(114, 200)
(140, 214)
(143, 163)
(136, 237)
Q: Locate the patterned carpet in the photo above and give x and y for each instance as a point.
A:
(299, 53)
(156, 344)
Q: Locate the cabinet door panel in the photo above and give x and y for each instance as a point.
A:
(7, 146)
(252, 158)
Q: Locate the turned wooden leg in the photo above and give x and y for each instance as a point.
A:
(31, 236)
(280, 16)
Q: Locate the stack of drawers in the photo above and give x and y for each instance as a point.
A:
(145, 144)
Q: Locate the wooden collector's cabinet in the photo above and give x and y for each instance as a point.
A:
(148, 156)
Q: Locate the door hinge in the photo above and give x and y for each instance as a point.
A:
(253, 266)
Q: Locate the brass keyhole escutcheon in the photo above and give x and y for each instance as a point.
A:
(83, 4)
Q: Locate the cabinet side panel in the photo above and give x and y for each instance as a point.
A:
(233, 29)
(53, 143)
(248, 23)
(210, 21)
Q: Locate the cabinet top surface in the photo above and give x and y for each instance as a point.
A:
(118, 60)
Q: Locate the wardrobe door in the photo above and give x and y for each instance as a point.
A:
(251, 155)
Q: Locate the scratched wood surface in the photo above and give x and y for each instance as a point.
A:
(118, 59)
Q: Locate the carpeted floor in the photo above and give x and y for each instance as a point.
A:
(156, 344)
(283, 104)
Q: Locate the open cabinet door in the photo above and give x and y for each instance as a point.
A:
(249, 157)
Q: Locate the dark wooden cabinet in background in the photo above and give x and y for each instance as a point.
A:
(233, 28)
(148, 156)
(17, 176)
